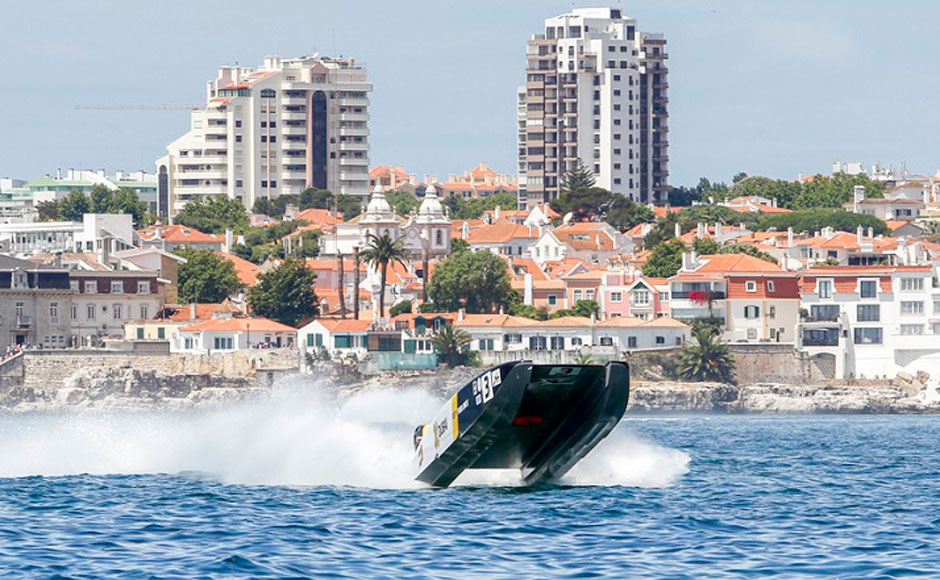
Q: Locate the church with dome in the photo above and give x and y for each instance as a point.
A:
(427, 228)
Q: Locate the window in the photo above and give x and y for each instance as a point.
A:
(143, 311)
(824, 288)
(616, 297)
(752, 334)
(116, 311)
(552, 300)
(91, 287)
(140, 333)
(558, 343)
(771, 312)
(867, 336)
(485, 344)
(607, 341)
(771, 287)
(641, 298)
(576, 341)
(513, 338)
(189, 344)
(117, 287)
(631, 342)
(912, 329)
(53, 312)
(161, 333)
(912, 284)
(74, 312)
(90, 312)
(750, 286)
(589, 294)
(143, 287)
(751, 311)
(911, 308)
(223, 343)
(577, 295)
(936, 306)
(73, 284)
(868, 312)
(660, 340)
(868, 288)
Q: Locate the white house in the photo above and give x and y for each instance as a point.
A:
(335, 336)
(225, 332)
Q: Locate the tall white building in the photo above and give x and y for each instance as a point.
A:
(278, 129)
(596, 90)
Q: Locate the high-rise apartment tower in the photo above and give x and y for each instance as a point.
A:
(596, 90)
(278, 129)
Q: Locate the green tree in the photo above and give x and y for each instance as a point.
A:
(127, 201)
(583, 203)
(452, 345)
(380, 251)
(73, 206)
(48, 210)
(706, 359)
(205, 277)
(316, 198)
(586, 308)
(581, 177)
(663, 230)
(458, 245)
(623, 213)
(476, 281)
(100, 199)
(348, 205)
(815, 219)
(835, 191)
(459, 208)
(308, 246)
(214, 216)
(403, 202)
(402, 307)
(665, 259)
(285, 294)
(526, 311)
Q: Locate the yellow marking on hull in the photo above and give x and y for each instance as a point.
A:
(454, 417)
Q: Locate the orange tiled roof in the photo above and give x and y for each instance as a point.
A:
(500, 232)
(246, 271)
(738, 263)
(178, 234)
(238, 324)
(316, 217)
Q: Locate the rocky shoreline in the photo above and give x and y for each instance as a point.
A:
(134, 389)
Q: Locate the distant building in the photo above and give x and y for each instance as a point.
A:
(596, 90)
(91, 234)
(35, 304)
(278, 129)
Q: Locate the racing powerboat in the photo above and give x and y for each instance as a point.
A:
(539, 418)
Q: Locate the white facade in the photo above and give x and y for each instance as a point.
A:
(278, 129)
(872, 322)
(25, 239)
(595, 91)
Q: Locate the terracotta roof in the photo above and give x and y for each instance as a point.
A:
(738, 263)
(621, 322)
(317, 217)
(501, 232)
(559, 268)
(183, 312)
(347, 325)
(178, 234)
(397, 171)
(564, 321)
(482, 170)
(846, 241)
(661, 211)
(665, 322)
(238, 324)
(246, 271)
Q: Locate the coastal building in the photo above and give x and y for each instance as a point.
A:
(596, 90)
(871, 321)
(334, 338)
(229, 329)
(95, 231)
(104, 299)
(55, 187)
(592, 242)
(165, 326)
(278, 129)
(751, 299)
(392, 178)
(35, 303)
(903, 202)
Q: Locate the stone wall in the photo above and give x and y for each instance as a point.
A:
(40, 368)
(775, 363)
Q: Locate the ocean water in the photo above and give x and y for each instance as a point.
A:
(297, 487)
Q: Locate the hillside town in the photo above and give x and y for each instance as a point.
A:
(266, 226)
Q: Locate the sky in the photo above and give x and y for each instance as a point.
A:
(768, 88)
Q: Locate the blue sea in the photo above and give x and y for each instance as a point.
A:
(309, 489)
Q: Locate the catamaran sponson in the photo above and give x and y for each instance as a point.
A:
(540, 418)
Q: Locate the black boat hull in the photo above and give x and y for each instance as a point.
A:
(541, 419)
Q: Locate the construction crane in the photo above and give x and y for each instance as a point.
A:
(141, 107)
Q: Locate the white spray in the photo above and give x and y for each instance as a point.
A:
(294, 438)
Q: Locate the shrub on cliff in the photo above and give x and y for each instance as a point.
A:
(706, 358)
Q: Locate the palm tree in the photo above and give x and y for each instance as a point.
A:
(379, 252)
(451, 344)
(706, 359)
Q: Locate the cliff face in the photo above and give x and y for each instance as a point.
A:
(778, 398)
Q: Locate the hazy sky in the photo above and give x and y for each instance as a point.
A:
(775, 88)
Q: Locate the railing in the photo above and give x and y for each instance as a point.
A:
(824, 318)
(826, 341)
(716, 295)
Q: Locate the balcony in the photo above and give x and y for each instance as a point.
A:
(294, 143)
(352, 102)
(23, 321)
(294, 130)
(293, 115)
(353, 161)
(361, 117)
(354, 146)
(690, 294)
(354, 131)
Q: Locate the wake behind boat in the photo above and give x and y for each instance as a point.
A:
(539, 418)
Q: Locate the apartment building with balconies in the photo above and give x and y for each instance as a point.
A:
(871, 321)
(750, 299)
(596, 90)
(278, 129)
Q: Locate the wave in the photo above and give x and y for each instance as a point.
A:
(296, 437)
